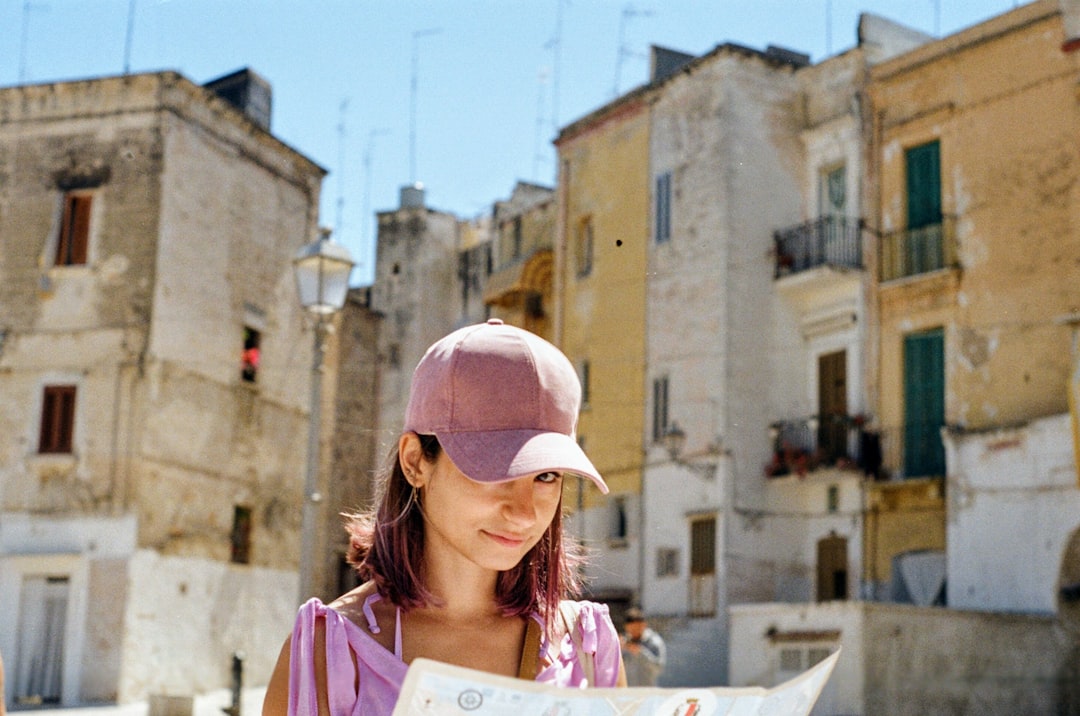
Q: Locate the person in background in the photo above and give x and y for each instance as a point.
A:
(644, 652)
(464, 559)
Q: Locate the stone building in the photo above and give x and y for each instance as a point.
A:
(979, 289)
(154, 375)
(420, 294)
(970, 207)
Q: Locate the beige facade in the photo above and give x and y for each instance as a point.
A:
(520, 287)
(975, 167)
(898, 659)
(149, 482)
(600, 281)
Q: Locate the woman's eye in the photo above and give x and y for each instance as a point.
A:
(548, 477)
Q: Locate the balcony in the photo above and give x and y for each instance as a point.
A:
(910, 252)
(825, 241)
(803, 445)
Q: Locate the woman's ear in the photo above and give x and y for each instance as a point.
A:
(411, 457)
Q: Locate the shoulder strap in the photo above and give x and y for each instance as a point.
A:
(568, 610)
(530, 651)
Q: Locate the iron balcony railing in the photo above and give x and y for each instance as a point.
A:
(825, 241)
(803, 445)
(910, 252)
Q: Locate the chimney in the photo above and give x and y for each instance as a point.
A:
(246, 91)
(412, 196)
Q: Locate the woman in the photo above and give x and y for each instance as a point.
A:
(464, 558)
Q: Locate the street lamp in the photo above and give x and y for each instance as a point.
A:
(322, 281)
(674, 440)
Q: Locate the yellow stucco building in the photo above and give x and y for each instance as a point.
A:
(974, 169)
(600, 256)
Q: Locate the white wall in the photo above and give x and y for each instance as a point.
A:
(1013, 501)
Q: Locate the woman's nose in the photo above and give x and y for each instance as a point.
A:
(519, 501)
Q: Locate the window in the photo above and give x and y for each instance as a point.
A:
(832, 431)
(71, 246)
(795, 658)
(923, 165)
(249, 360)
(583, 247)
(240, 539)
(57, 419)
(703, 587)
(832, 568)
(584, 382)
(832, 192)
(619, 521)
(518, 244)
(924, 403)
(660, 409)
(667, 562)
(663, 207)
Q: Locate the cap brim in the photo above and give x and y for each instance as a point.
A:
(500, 455)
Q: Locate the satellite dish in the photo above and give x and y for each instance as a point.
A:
(1068, 591)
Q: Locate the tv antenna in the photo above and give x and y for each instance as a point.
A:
(339, 218)
(538, 152)
(555, 45)
(128, 35)
(24, 39)
(624, 51)
(412, 97)
(368, 152)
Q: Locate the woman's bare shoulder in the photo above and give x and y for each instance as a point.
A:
(351, 606)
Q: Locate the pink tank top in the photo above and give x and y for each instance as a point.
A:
(380, 673)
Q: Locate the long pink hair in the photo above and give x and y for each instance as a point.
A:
(387, 547)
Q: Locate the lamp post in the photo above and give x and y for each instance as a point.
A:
(322, 281)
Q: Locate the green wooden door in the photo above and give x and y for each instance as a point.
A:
(924, 243)
(924, 403)
(923, 185)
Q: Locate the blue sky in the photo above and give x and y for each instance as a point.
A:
(493, 79)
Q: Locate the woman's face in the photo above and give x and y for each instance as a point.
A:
(493, 525)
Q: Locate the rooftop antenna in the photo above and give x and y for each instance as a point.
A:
(538, 153)
(555, 45)
(828, 28)
(128, 36)
(28, 6)
(339, 218)
(624, 51)
(368, 151)
(412, 97)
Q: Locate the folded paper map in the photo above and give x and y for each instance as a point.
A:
(432, 688)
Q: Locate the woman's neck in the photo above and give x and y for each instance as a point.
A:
(462, 589)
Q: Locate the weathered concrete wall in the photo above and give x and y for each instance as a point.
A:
(417, 293)
(1013, 501)
(899, 660)
(186, 617)
(940, 661)
(196, 217)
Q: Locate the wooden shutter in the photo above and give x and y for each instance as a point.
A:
(832, 568)
(57, 419)
(74, 236)
(924, 403)
(832, 404)
(923, 185)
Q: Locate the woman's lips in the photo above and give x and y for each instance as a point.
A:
(507, 540)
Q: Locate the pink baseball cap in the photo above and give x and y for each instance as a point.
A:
(503, 403)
